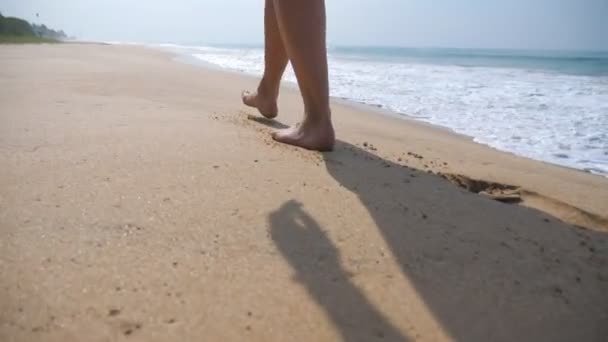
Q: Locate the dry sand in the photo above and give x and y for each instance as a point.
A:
(138, 202)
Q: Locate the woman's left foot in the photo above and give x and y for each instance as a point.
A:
(265, 105)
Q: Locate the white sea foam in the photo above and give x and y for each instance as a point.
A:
(548, 116)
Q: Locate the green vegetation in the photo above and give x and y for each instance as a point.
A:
(5, 39)
(18, 31)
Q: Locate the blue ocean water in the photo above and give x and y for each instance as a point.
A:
(546, 105)
(592, 63)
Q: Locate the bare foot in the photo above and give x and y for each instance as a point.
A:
(318, 136)
(265, 105)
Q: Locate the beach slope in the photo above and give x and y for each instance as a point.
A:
(139, 200)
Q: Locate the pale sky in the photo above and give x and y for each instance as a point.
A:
(519, 24)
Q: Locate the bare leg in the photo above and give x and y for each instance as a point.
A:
(275, 57)
(302, 27)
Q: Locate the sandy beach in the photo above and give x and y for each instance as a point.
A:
(141, 201)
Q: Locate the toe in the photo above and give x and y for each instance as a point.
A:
(281, 134)
(247, 98)
(276, 134)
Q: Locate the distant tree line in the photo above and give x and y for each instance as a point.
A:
(16, 27)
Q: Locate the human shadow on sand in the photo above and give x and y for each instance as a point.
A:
(317, 264)
(487, 271)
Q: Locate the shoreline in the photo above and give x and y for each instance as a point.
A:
(140, 200)
(536, 200)
(381, 109)
(527, 197)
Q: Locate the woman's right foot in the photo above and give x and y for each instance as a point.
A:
(311, 135)
(265, 105)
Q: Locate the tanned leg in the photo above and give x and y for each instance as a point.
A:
(302, 27)
(275, 57)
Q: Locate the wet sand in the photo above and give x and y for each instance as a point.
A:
(139, 200)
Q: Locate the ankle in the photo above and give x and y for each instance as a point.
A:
(318, 117)
(322, 123)
(267, 91)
